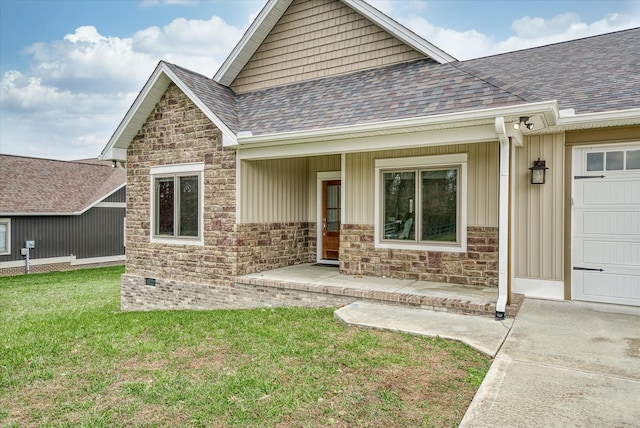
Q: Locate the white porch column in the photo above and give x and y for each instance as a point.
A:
(503, 220)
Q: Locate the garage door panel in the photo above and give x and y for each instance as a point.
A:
(610, 288)
(602, 253)
(613, 191)
(609, 223)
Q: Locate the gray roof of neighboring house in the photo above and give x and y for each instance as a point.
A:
(44, 186)
(595, 74)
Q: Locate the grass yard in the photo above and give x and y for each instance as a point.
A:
(69, 357)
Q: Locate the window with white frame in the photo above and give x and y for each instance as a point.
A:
(422, 202)
(5, 236)
(176, 203)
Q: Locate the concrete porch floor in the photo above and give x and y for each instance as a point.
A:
(327, 279)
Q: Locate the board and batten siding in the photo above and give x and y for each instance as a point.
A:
(482, 190)
(118, 196)
(319, 38)
(539, 210)
(282, 190)
(99, 232)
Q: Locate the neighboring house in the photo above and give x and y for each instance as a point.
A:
(333, 134)
(73, 211)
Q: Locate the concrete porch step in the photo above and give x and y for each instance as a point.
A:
(328, 281)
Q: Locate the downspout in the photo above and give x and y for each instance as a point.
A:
(503, 221)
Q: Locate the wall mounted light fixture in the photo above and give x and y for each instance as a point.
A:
(538, 172)
(523, 122)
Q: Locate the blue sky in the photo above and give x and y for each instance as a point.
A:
(69, 70)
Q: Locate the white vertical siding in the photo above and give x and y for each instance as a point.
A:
(282, 190)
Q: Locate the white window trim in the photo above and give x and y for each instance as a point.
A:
(454, 160)
(163, 171)
(7, 221)
(605, 148)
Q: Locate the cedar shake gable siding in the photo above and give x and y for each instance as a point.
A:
(316, 39)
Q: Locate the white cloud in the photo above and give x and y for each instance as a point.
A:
(529, 32)
(153, 3)
(79, 88)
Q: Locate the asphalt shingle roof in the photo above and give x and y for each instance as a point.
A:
(595, 74)
(40, 186)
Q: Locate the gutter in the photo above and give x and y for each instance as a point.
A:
(503, 220)
(548, 110)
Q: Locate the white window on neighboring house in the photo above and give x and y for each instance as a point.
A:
(177, 203)
(421, 203)
(5, 236)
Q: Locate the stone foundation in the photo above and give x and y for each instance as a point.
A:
(477, 267)
(136, 296)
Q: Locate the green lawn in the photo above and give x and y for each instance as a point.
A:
(69, 357)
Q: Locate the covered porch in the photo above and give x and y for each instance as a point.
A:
(324, 284)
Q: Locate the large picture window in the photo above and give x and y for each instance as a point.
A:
(177, 202)
(421, 202)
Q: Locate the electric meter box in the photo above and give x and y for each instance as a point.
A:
(30, 244)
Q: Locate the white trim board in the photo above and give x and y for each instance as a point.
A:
(72, 260)
(539, 288)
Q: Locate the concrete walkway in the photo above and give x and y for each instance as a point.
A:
(557, 364)
(482, 333)
(564, 364)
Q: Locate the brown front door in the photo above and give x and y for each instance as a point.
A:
(330, 219)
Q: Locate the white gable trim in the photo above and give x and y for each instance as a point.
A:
(399, 31)
(251, 41)
(144, 104)
(273, 11)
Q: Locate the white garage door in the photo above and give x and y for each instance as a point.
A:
(606, 224)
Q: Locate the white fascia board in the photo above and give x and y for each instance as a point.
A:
(97, 202)
(251, 41)
(135, 117)
(471, 134)
(113, 153)
(404, 34)
(144, 104)
(631, 117)
(449, 121)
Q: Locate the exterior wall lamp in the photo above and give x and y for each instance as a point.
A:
(538, 172)
(523, 122)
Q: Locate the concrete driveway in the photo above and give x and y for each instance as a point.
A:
(564, 364)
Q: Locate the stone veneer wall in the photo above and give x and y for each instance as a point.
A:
(178, 132)
(191, 276)
(477, 267)
(266, 246)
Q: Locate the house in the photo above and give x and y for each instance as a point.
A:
(74, 212)
(333, 134)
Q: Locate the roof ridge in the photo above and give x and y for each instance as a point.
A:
(75, 161)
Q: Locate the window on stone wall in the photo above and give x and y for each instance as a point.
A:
(177, 203)
(422, 203)
(5, 236)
